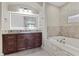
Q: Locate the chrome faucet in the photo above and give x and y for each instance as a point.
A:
(62, 41)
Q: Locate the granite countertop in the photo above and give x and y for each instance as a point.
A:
(19, 31)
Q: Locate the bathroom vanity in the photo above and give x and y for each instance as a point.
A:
(21, 41)
(24, 31)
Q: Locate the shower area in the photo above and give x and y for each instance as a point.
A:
(62, 28)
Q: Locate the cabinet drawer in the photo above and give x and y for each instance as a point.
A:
(20, 36)
(37, 34)
(9, 36)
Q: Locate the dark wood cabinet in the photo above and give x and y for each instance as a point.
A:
(37, 41)
(29, 40)
(20, 42)
(17, 42)
(9, 43)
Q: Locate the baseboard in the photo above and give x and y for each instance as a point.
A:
(1, 54)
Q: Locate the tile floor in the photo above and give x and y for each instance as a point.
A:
(31, 52)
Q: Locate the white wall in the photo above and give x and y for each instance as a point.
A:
(53, 18)
(3, 23)
(5, 16)
(0, 31)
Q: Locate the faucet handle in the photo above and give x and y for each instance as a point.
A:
(63, 38)
(63, 42)
(60, 41)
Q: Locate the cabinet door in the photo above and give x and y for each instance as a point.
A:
(38, 39)
(20, 42)
(29, 41)
(9, 44)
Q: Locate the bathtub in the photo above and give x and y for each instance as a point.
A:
(70, 45)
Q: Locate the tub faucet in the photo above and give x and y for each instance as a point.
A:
(62, 40)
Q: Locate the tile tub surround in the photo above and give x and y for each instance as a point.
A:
(53, 30)
(70, 31)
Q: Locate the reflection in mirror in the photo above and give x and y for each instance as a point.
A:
(31, 23)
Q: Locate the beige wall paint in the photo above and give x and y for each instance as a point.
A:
(53, 16)
(57, 20)
(69, 9)
(69, 29)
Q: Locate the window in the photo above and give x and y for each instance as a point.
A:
(73, 18)
(25, 11)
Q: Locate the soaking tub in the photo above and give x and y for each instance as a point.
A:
(71, 45)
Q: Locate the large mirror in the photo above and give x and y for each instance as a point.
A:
(23, 21)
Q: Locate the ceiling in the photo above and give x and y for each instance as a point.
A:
(58, 4)
(40, 3)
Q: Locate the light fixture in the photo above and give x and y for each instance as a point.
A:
(25, 11)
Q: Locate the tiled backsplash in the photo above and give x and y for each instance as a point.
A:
(53, 30)
(70, 31)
